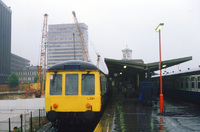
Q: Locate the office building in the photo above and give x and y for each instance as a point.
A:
(63, 45)
(5, 42)
(18, 63)
(26, 74)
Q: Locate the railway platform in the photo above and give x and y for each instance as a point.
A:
(129, 115)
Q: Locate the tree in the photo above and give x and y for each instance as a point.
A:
(35, 78)
(13, 80)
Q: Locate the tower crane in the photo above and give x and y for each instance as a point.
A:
(85, 52)
(98, 55)
(41, 68)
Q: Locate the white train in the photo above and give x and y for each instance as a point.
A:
(184, 85)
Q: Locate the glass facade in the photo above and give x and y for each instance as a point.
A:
(62, 45)
(5, 42)
(18, 63)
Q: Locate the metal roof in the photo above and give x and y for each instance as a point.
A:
(73, 65)
(133, 66)
(168, 63)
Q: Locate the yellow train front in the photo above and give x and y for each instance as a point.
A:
(75, 91)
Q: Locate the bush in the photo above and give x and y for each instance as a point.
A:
(13, 80)
(35, 78)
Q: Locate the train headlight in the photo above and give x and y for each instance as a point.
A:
(88, 105)
(55, 105)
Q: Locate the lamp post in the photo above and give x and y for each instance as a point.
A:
(161, 93)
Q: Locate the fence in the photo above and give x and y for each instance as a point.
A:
(23, 120)
(21, 87)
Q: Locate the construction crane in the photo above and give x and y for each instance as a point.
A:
(98, 55)
(85, 52)
(41, 68)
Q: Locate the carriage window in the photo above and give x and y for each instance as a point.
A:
(103, 84)
(198, 82)
(193, 82)
(71, 84)
(88, 84)
(56, 84)
(186, 83)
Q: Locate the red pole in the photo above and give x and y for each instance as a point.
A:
(161, 94)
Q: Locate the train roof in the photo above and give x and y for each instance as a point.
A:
(73, 65)
(194, 71)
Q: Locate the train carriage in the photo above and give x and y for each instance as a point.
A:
(75, 89)
(184, 85)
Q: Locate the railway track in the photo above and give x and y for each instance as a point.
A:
(88, 127)
(48, 128)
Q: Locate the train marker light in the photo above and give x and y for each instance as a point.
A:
(88, 105)
(55, 105)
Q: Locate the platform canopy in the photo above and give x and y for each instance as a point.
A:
(116, 67)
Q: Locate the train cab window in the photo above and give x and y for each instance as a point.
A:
(56, 84)
(88, 84)
(71, 84)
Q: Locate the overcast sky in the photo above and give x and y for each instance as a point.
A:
(113, 24)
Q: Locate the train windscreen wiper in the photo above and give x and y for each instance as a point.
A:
(85, 75)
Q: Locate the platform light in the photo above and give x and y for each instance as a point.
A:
(160, 26)
(125, 67)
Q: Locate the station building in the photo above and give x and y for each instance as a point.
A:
(5, 42)
(129, 73)
(63, 45)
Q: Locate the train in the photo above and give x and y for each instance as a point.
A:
(183, 85)
(75, 90)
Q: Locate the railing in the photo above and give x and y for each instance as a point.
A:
(21, 87)
(23, 120)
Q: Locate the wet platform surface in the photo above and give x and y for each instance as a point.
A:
(129, 115)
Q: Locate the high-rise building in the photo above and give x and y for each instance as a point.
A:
(63, 45)
(18, 63)
(5, 42)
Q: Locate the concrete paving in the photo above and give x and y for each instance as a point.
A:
(129, 115)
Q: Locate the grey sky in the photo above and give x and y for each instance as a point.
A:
(113, 24)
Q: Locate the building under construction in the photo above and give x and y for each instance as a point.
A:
(64, 43)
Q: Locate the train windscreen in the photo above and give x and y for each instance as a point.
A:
(71, 84)
(88, 84)
(56, 84)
